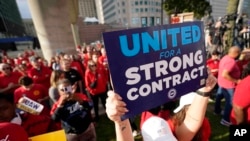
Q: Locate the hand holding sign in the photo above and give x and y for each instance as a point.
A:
(30, 106)
(115, 107)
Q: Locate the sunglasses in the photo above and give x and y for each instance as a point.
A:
(92, 65)
(67, 89)
(7, 68)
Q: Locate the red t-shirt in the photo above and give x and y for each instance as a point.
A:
(241, 98)
(6, 80)
(229, 64)
(213, 65)
(36, 92)
(101, 78)
(12, 132)
(41, 76)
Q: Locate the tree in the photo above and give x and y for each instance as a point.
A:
(199, 7)
(231, 9)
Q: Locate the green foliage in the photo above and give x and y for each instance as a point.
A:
(199, 7)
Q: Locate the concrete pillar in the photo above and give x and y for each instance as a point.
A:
(52, 20)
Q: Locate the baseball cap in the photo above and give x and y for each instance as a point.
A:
(157, 129)
(186, 99)
(12, 132)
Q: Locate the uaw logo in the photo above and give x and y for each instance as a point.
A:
(36, 92)
(172, 93)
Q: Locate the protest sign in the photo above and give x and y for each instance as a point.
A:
(30, 106)
(51, 136)
(151, 66)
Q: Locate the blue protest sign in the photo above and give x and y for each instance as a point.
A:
(151, 66)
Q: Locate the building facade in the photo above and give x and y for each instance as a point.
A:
(10, 19)
(133, 13)
(29, 27)
(87, 8)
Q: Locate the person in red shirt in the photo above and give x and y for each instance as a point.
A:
(240, 113)
(33, 124)
(39, 73)
(9, 79)
(213, 63)
(87, 56)
(7, 134)
(33, 91)
(96, 85)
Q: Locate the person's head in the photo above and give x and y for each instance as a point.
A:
(184, 102)
(95, 57)
(89, 49)
(26, 82)
(64, 87)
(92, 65)
(5, 68)
(246, 71)
(103, 51)
(215, 55)
(56, 75)
(234, 52)
(7, 107)
(34, 62)
(65, 64)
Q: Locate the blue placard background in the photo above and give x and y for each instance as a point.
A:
(178, 53)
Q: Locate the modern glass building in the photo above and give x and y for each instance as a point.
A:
(133, 13)
(10, 19)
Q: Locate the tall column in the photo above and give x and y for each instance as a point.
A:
(52, 20)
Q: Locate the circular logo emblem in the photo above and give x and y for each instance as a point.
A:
(36, 92)
(171, 93)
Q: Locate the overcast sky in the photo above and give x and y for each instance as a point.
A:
(24, 9)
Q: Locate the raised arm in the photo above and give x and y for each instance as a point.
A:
(196, 112)
(115, 108)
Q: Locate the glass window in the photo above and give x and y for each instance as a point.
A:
(124, 10)
(146, 9)
(137, 10)
(151, 21)
(135, 20)
(141, 2)
(143, 21)
(141, 9)
(158, 21)
(136, 2)
(146, 2)
(123, 3)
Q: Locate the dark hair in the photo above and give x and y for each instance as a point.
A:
(25, 81)
(246, 71)
(215, 52)
(8, 97)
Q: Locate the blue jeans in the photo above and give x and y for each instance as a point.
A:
(228, 95)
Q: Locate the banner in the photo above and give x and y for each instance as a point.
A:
(153, 65)
(52, 136)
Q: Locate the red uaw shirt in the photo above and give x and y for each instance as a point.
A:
(6, 80)
(41, 76)
(12, 132)
(36, 92)
(101, 78)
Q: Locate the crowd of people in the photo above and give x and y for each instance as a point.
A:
(68, 87)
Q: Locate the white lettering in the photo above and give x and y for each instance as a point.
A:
(6, 138)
